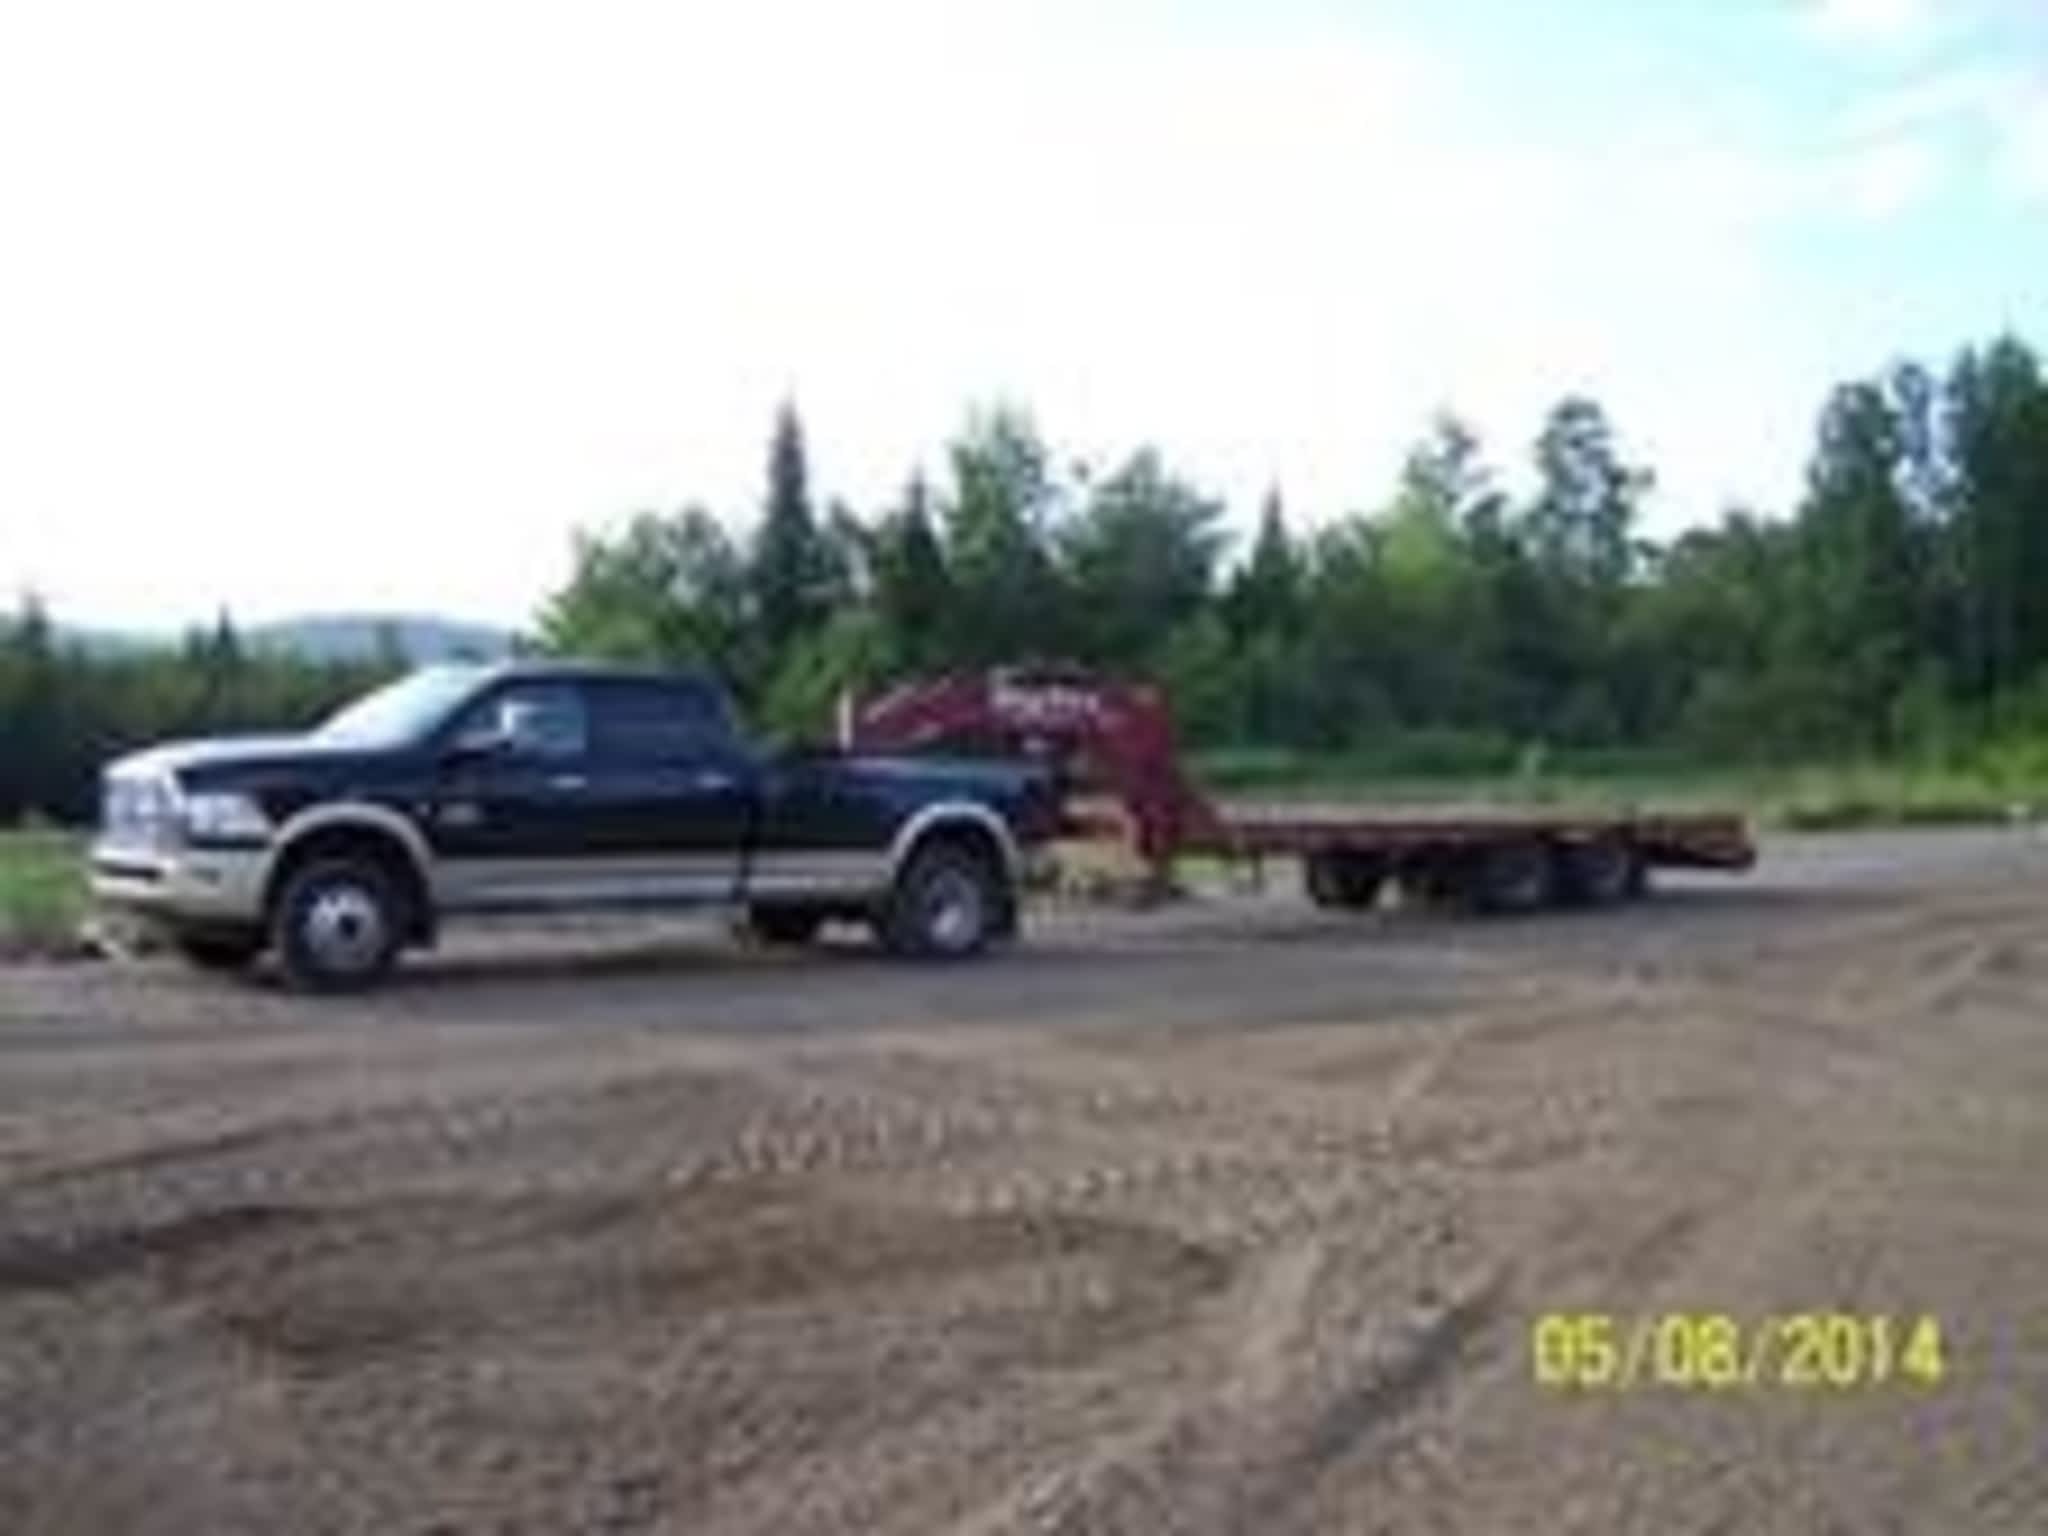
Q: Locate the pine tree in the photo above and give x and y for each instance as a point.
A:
(1265, 595)
(913, 588)
(791, 567)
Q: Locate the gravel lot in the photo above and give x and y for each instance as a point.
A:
(1232, 1217)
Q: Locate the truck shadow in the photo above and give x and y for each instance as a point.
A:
(1066, 957)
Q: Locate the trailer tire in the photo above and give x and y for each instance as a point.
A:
(1599, 872)
(1510, 878)
(1341, 881)
(1434, 881)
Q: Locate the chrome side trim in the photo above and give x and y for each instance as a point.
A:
(824, 872)
(596, 878)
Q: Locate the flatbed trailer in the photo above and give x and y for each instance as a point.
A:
(1116, 740)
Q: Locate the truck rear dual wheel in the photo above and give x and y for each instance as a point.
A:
(949, 903)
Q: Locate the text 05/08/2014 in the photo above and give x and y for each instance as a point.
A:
(1713, 1351)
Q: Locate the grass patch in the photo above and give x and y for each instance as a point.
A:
(1991, 788)
(1879, 796)
(42, 890)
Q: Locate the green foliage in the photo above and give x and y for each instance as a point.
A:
(64, 711)
(1265, 595)
(1139, 560)
(851, 653)
(797, 572)
(914, 597)
(1001, 517)
(1196, 667)
(42, 888)
(667, 590)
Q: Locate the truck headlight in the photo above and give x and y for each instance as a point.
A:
(224, 815)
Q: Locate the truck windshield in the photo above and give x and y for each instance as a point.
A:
(403, 711)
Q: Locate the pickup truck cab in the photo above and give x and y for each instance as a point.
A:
(542, 785)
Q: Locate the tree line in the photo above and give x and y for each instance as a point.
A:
(1899, 606)
(65, 708)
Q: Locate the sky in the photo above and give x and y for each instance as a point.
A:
(321, 308)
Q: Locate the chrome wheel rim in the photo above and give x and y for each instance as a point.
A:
(954, 912)
(344, 929)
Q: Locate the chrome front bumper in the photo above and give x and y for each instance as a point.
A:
(188, 884)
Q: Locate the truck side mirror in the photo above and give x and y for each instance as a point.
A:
(476, 745)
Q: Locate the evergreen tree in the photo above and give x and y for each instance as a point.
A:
(913, 588)
(792, 569)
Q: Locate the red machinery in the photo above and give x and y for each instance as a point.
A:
(1097, 734)
(1118, 737)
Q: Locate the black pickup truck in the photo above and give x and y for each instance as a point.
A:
(533, 785)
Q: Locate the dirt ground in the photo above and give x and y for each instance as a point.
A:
(1234, 1217)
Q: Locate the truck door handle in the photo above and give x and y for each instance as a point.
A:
(568, 781)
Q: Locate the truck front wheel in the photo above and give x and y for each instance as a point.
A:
(337, 924)
(949, 903)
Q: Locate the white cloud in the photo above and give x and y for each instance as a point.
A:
(1863, 22)
(1991, 112)
(2025, 158)
(1885, 179)
(1968, 93)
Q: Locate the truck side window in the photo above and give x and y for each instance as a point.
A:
(658, 722)
(532, 720)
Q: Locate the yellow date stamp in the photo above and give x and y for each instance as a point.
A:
(1722, 1352)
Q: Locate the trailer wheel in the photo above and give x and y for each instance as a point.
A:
(1599, 872)
(1434, 881)
(1343, 881)
(1509, 878)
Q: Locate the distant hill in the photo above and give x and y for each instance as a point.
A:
(328, 637)
(358, 636)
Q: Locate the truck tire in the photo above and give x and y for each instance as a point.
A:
(1347, 882)
(949, 903)
(337, 924)
(218, 949)
(783, 925)
(1511, 877)
(1599, 872)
